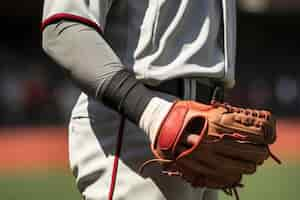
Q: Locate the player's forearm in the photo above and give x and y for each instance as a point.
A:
(94, 67)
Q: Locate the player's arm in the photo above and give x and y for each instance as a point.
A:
(74, 39)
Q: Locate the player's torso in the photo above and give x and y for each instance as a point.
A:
(164, 39)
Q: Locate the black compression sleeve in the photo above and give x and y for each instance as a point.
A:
(127, 95)
(102, 75)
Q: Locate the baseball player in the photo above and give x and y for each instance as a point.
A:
(150, 62)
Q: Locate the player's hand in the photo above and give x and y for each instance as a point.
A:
(213, 145)
(218, 164)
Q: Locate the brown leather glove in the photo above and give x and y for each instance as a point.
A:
(213, 145)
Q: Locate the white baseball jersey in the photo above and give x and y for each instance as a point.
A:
(161, 39)
(158, 40)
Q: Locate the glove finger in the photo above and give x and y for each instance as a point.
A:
(225, 164)
(233, 166)
(190, 139)
(243, 151)
(269, 129)
(256, 129)
(218, 182)
(264, 130)
(205, 176)
(195, 167)
(219, 167)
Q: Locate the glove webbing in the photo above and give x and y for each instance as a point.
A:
(230, 190)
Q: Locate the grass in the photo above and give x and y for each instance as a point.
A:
(270, 182)
(52, 185)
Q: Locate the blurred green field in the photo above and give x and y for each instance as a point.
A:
(270, 182)
(41, 185)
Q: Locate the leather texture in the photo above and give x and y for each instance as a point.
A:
(213, 145)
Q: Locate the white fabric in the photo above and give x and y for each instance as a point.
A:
(153, 116)
(164, 39)
(94, 10)
(92, 142)
(158, 40)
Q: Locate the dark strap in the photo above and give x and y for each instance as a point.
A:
(218, 94)
(204, 93)
(173, 87)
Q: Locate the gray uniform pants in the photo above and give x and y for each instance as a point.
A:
(92, 143)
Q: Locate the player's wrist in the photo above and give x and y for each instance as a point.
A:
(153, 116)
(127, 95)
(139, 104)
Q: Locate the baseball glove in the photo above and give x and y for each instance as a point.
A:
(214, 145)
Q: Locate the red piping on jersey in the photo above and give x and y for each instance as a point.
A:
(71, 17)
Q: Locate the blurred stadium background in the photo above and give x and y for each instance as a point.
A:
(36, 100)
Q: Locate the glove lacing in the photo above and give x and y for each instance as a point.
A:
(254, 113)
(229, 190)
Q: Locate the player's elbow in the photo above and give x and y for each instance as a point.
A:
(45, 41)
(57, 46)
(46, 44)
(50, 42)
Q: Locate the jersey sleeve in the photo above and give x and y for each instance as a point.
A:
(89, 12)
(72, 38)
